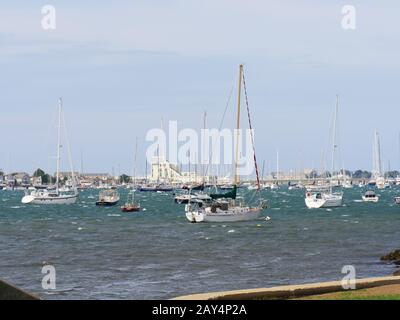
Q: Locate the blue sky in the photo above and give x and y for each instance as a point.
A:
(120, 67)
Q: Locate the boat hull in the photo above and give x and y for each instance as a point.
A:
(130, 209)
(106, 203)
(201, 216)
(370, 199)
(331, 202)
(49, 200)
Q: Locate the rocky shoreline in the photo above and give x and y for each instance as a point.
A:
(394, 258)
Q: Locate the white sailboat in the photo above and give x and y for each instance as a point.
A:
(227, 207)
(377, 177)
(56, 195)
(326, 198)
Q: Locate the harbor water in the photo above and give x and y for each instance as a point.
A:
(102, 253)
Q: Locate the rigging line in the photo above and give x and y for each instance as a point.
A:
(71, 165)
(220, 127)
(251, 133)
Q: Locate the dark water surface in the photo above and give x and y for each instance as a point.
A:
(101, 253)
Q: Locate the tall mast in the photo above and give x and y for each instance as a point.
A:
(377, 155)
(204, 134)
(373, 158)
(58, 142)
(134, 164)
(238, 125)
(378, 150)
(334, 139)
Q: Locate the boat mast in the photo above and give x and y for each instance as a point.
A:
(334, 140)
(236, 181)
(204, 134)
(58, 143)
(134, 164)
(378, 154)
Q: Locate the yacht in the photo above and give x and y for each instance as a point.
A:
(56, 195)
(326, 198)
(228, 207)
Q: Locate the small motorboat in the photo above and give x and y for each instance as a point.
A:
(397, 200)
(108, 198)
(370, 196)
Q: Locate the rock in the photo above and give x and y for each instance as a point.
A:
(392, 256)
(396, 273)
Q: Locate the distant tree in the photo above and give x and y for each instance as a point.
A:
(362, 174)
(312, 174)
(124, 178)
(45, 178)
(39, 173)
(346, 172)
(392, 174)
(1, 173)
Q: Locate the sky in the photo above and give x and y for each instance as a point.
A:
(122, 67)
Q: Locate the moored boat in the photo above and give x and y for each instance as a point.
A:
(326, 198)
(130, 207)
(55, 194)
(321, 199)
(130, 204)
(370, 196)
(108, 198)
(227, 207)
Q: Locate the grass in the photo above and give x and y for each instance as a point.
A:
(363, 294)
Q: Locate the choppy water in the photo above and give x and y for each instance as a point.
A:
(101, 253)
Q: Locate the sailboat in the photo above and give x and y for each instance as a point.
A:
(130, 204)
(55, 195)
(326, 198)
(378, 179)
(227, 207)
